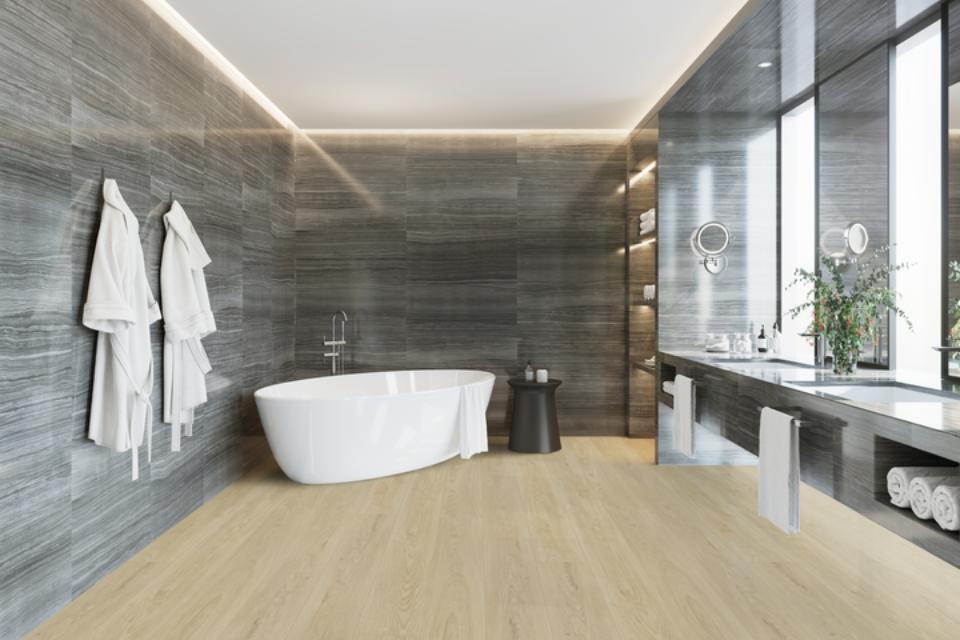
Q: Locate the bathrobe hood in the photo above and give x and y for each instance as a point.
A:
(182, 284)
(178, 222)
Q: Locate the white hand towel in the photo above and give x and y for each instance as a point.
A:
(648, 215)
(921, 493)
(684, 415)
(898, 482)
(647, 227)
(778, 489)
(472, 418)
(668, 387)
(946, 507)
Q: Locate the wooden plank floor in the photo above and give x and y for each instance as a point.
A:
(588, 542)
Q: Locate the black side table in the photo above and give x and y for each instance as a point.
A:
(535, 428)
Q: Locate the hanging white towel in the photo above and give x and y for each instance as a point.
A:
(187, 319)
(684, 415)
(921, 493)
(778, 487)
(121, 307)
(946, 507)
(898, 482)
(472, 420)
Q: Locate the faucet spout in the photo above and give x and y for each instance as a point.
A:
(336, 356)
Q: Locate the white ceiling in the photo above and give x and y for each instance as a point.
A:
(429, 64)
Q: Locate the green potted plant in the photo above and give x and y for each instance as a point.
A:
(954, 275)
(847, 315)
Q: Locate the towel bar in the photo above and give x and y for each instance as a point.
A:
(798, 421)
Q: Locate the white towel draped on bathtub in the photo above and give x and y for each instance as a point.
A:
(472, 420)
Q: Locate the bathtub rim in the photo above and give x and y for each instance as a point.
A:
(262, 393)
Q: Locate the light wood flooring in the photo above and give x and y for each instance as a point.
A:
(588, 542)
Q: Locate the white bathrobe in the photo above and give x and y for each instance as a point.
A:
(121, 306)
(187, 318)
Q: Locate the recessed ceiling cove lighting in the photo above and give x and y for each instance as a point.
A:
(765, 65)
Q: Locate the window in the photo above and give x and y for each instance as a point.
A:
(797, 222)
(916, 218)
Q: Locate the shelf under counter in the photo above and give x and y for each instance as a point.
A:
(845, 448)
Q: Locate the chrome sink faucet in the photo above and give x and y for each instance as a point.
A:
(336, 355)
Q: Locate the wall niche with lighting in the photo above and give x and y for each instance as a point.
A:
(641, 247)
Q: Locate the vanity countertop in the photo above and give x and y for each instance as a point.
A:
(941, 415)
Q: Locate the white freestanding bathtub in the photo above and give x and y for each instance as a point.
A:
(367, 425)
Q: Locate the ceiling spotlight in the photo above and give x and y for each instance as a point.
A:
(765, 65)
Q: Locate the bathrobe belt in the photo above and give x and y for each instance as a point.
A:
(143, 408)
(203, 362)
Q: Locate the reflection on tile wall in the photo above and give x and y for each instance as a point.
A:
(716, 167)
(469, 250)
(94, 84)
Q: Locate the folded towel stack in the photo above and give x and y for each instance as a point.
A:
(898, 482)
(946, 507)
(921, 493)
(649, 292)
(668, 387)
(648, 221)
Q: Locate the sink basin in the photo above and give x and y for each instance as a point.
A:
(880, 393)
(759, 362)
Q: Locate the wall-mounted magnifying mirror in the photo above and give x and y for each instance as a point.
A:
(845, 245)
(710, 241)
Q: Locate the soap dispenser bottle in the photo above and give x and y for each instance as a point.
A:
(762, 340)
(528, 372)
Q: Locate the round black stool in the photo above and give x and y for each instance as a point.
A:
(535, 428)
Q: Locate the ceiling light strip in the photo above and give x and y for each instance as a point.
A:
(170, 15)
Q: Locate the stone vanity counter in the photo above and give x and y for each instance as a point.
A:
(940, 416)
(848, 445)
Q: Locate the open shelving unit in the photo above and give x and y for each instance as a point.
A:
(641, 251)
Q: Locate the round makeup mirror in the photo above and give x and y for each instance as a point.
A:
(856, 238)
(710, 241)
(845, 245)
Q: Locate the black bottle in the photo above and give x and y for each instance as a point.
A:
(762, 341)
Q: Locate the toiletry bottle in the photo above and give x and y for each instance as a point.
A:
(776, 337)
(762, 340)
(528, 372)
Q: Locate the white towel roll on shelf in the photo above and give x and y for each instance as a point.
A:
(946, 507)
(898, 482)
(921, 493)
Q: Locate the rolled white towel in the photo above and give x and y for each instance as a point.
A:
(648, 226)
(921, 493)
(648, 215)
(946, 507)
(668, 387)
(898, 482)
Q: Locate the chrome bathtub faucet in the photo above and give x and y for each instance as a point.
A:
(336, 355)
